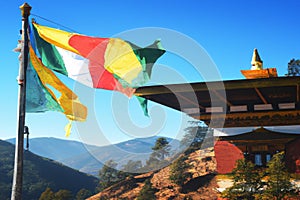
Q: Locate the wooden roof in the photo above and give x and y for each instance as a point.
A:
(233, 103)
(260, 134)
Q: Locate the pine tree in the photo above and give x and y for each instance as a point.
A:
(196, 135)
(132, 167)
(63, 195)
(158, 157)
(293, 68)
(278, 185)
(178, 171)
(147, 192)
(246, 181)
(109, 175)
(83, 194)
(48, 194)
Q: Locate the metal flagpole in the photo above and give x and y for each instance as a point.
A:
(18, 166)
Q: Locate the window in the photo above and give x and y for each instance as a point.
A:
(258, 161)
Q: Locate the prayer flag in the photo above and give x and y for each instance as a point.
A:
(107, 63)
(43, 91)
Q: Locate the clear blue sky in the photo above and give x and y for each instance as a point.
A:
(227, 30)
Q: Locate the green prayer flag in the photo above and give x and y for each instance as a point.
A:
(38, 99)
(144, 104)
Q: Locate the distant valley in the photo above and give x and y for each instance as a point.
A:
(88, 158)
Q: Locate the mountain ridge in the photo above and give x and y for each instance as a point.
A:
(40, 173)
(90, 158)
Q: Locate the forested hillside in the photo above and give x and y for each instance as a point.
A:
(39, 174)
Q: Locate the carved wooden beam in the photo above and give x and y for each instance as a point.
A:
(271, 118)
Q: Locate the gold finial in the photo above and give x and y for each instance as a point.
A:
(25, 10)
(256, 62)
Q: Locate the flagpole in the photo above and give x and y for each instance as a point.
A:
(19, 146)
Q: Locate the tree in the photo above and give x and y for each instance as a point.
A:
(132, 166)
(160, 144)
(109, 175)
(48, 194)
(178, 171)
(147, 192)
(278, 185)
(195, 135)
(160, 152)
(83, 194)
(63, 195)
(294, 68)
(246, 181)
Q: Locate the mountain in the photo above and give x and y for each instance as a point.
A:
(40, 173)
(68, 152)
(88, 158)
(92, 161)
(54, 148)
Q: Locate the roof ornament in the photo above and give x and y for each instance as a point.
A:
(257, 63)
(257, 70)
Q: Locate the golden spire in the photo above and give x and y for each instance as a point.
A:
(256, 62)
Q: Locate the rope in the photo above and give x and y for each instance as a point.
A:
(53, 22)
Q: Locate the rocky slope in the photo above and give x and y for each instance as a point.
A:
(202, 185)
